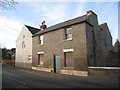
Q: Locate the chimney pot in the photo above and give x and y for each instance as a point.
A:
(43, 26)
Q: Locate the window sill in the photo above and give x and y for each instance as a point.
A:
(68, 39)
(41, 44)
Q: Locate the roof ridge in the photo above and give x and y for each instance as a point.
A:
(64, 23)
(33, 30)
(30, 26)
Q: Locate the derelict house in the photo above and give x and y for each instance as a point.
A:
(72, 45)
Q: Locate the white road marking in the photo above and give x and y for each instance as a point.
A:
(16, 80)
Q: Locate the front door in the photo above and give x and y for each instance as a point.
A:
(56, 63)
(38, 59)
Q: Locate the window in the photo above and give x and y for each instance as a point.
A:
(23, 44)
(23, 36)
(68, 33)
(68, 59)
(41, 39)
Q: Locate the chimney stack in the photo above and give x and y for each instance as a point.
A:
(43, 26)
(92, 18)
(90, 12)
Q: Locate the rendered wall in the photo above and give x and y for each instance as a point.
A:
(23, 53)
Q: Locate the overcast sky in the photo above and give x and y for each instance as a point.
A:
(33, 13)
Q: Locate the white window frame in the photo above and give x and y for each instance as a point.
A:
(68, 50)
(41, 39)
(40, 52)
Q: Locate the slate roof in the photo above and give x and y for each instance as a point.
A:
(64, 24)
(32, 29)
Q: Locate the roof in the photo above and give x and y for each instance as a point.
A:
(64, 24)
(32, 29)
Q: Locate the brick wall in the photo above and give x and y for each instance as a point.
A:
(9, 62)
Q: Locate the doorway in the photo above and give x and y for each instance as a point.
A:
(40, 59)
(56, 63)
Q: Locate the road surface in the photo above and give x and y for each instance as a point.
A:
(13, 77)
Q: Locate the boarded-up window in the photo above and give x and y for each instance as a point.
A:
(40, 59)
(69, 59)
(68, 33)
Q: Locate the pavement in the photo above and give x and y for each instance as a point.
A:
(28, 78)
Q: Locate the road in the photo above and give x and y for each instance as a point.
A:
(13, 77)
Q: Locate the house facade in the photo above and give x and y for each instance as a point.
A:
(24, 47)
(72, 45)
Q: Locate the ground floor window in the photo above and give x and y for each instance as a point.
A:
(68, 59)
(40, 59)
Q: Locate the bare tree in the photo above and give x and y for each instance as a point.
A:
(7, 4)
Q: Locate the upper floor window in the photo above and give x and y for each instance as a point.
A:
(41, 39)
(68, 33)
(23, 44)
(23, 36)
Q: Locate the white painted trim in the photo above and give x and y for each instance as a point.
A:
(40, 52)
(68, 50)
(68, 39)
(105, 67)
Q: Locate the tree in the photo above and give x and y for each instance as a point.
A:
(7, 4)
(5, 55)
(13, 49)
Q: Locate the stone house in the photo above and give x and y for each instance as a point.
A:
(24, 47)
(72, 45)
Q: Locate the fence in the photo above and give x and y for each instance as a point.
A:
(9, 62)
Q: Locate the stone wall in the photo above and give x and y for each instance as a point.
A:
(102, 42)
(104, 46)
(91, 45)
(104, 72)
(54, 43)
(113, 59)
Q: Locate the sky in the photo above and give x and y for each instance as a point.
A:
(33, 13)
(119, 21)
